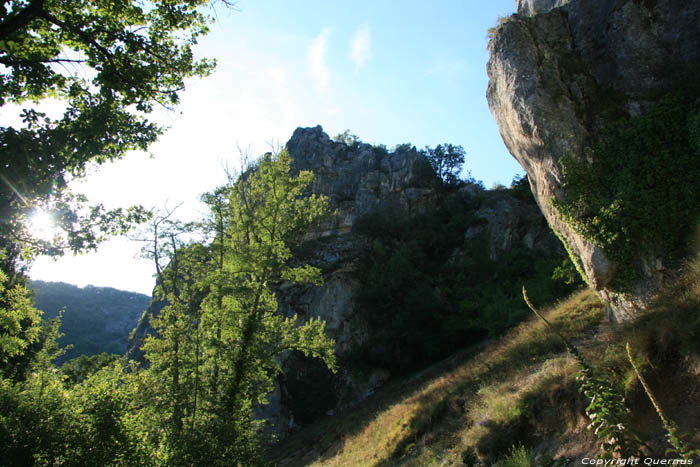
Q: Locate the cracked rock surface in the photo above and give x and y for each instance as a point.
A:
(557, 67)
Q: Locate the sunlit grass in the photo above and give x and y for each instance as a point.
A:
(481, 402)
(432, 424)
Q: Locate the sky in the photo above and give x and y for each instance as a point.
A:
(390, 72)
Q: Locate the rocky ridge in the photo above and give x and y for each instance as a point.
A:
(359, 179)
(557, 67)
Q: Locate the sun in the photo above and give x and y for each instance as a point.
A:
(42, 225)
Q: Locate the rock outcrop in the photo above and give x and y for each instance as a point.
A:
(557, 68)
(360, 179)
(510, 224)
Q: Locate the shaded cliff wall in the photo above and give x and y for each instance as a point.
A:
(360, 179)
(559, 70)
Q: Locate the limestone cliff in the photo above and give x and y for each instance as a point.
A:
(361, 179)
(557, 69)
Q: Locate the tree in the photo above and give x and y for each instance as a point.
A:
(217, 347)
(108, 64)
(447, 161)
(347, 138)
(20, 330)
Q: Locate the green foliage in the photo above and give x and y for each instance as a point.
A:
(108, 64)
(635, 195)
(213, 359)
(446, 160)
(566, 272)
(426, 292)
(520, 188)
(398, 272)
(347, 138)
(79, 369)
(491, 32)
(214, 355)
(380, 150)
(517, 457)
(491, 303)
(43, 423)
(20, 330)
(607, 412)
(403, 147)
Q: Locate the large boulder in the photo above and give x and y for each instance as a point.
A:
(557, 68)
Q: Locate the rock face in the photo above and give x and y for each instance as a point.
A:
(534, 7)
(511, 224)
(359, 179)
(557, 67)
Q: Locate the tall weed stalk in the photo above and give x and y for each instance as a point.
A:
(606, 406)
(674, 437)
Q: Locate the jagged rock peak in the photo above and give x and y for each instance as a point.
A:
(558, 68)
(359, 177)
(534, 7)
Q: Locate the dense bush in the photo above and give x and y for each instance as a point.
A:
(425, 292)
(636, 195)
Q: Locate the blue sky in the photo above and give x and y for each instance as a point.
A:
(390, 72)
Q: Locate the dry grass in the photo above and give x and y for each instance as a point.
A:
(431, 422)
(521, 390)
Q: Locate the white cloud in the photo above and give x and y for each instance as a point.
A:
(317, 61)
(361, 45)
(448, 68)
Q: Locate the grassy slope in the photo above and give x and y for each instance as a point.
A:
(521, 390)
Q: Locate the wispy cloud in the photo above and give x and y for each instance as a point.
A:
(448, 68)
(361, 47)
(317, 61)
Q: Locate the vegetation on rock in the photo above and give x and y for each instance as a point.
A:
(446, 160)
(636, 196)
(426, 290)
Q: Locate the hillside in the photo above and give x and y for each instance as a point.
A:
(95, 320)
(414, 268)
(518, 397)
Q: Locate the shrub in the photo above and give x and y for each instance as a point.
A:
(636, 194)
(517, 457)
(425, 292)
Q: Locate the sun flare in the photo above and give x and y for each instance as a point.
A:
(42, 225)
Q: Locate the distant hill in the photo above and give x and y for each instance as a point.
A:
(96, 319)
